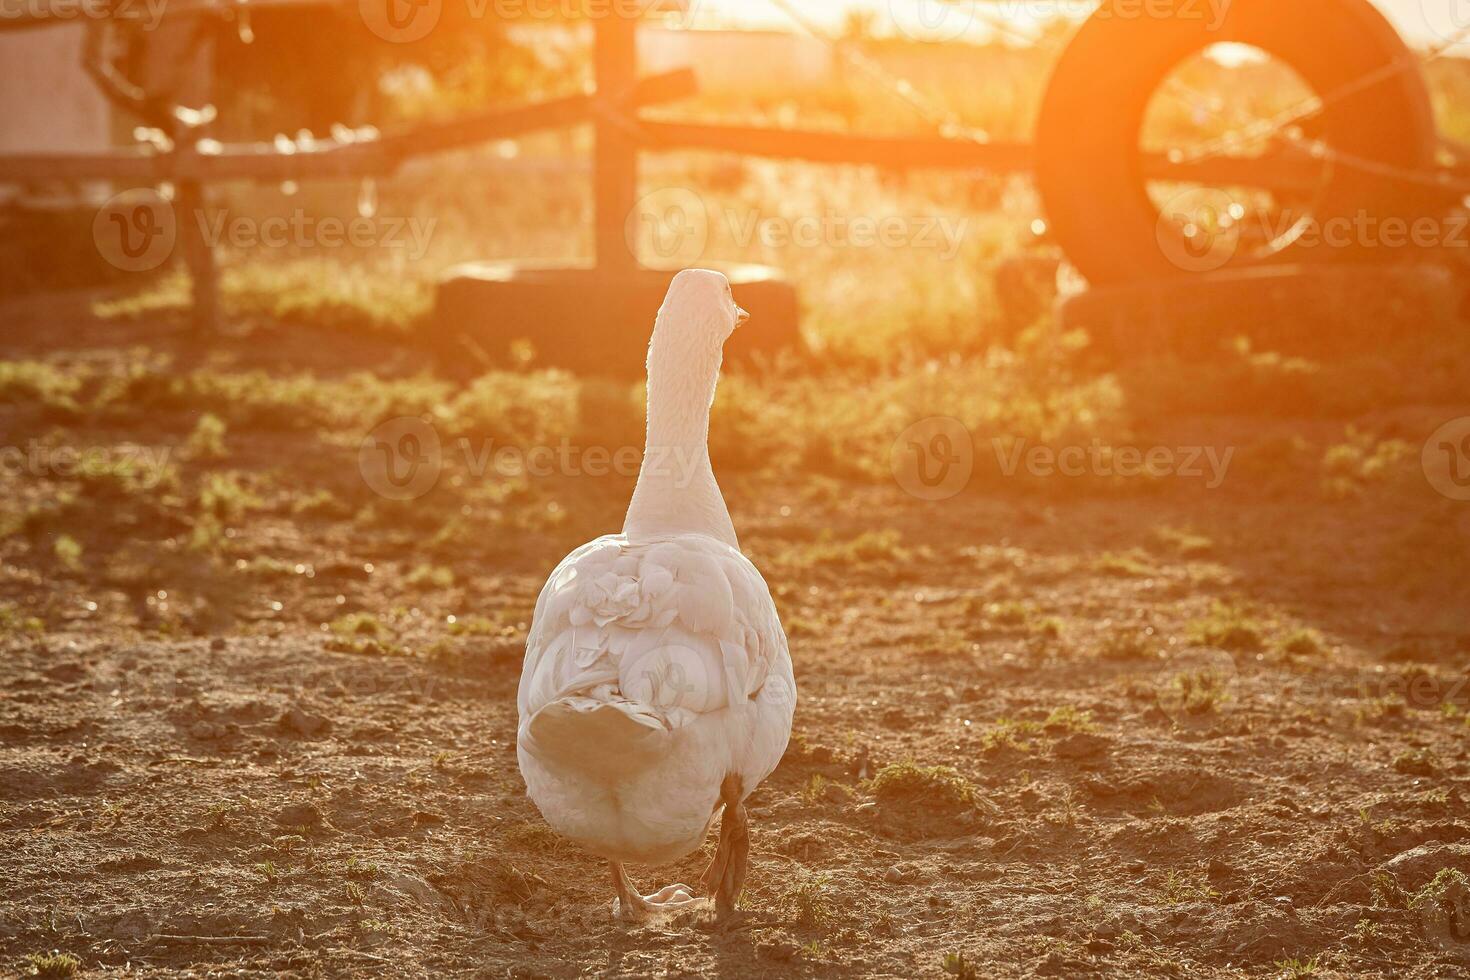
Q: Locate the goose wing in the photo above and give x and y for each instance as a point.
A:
(677, 627)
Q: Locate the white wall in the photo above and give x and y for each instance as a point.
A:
(744, 60)
(47, 103)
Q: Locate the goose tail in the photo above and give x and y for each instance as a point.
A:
(602, 740)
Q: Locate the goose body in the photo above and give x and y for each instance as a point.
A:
(657, 688)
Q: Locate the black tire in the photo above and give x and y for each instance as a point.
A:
(1089, 173)
(1317, 311)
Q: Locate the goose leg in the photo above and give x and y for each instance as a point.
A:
(725, 876)
(630, 906)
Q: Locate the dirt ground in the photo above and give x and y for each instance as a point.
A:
(1192, 733)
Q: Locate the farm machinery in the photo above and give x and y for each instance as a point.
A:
(1241, 213)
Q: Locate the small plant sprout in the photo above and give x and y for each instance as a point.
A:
(808, 903)
(955, 964)
(431, 577)
(1182, 889)
(1229, 627)
(207, 441)
(1441, 902)
(940, 786)
(13, 621)
(53, 965)
(1417, 762)
(1131, 565)
(287, 843)
(68, 552)
(1302, 643)
(360, 870)
(1298, 969)
(1068, 719)
(1197, 692)
(1124, 644)
(1009, 733)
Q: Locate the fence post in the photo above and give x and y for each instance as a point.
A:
(199, 255)
(182, 70)
(615, 154)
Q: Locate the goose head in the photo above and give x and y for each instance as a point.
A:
(697, 316)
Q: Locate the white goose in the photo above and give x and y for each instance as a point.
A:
(657, 688)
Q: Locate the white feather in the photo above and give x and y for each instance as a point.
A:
(656, 664)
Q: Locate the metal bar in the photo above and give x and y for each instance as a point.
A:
(136, 165)
(1286, 171)
(615, 164)
(331, 158)
(553, 114)
(264, 162)
(883, 151)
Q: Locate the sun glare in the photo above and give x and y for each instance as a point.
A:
(1014, 21)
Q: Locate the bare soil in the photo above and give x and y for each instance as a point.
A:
(210, 771)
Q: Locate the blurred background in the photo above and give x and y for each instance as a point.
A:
(290, 74)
